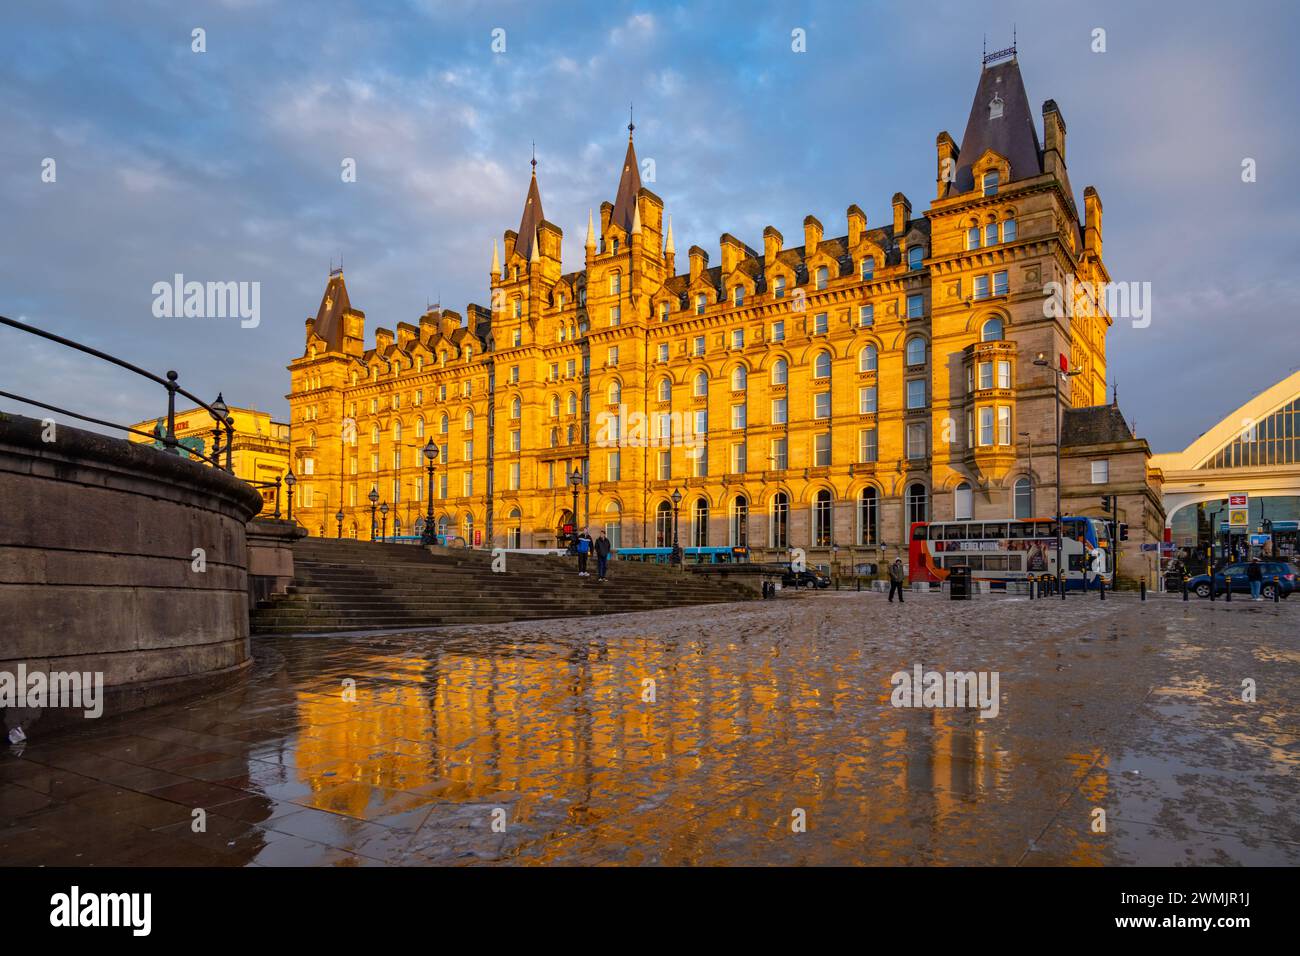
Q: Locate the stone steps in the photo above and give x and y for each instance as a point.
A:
(354, 585)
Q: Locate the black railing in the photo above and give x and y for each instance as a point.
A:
(220, 414)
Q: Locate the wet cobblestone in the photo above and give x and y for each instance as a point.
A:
(539, 743)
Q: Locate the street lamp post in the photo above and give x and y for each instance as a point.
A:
(383, 521)
(676, 557)
(374, 507)
(339, 518)
(290, 480)
(430, 455)
(1056, 419)
(221, 412)
(575, 480)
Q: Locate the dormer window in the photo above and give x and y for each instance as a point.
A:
(991, 183)
(615, 246)
(780, 287)
(868, 268)
(701, 301)
(738, 297)
(823, 277)
(914, 256)
(995, 107)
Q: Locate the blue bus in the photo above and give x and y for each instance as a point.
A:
(689, 555)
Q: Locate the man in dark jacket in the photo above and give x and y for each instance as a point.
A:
(1255, 575)
(603, 549)
(896, 580)
(584, 550)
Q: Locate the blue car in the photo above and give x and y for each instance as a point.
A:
(1283, 572)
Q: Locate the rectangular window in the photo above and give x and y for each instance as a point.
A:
(514, 377)
(986, 426)
(397, 460)
(916, 441)
(822, 450)
(868, 268)
(570, 367)
(819, 323)
(613, 467)
(514, 475)
(468, 451)
(737, 416)
(867, 400)
(986, 374)
(991, 234)
(738, 458)
(737, 338)
(665, 465)
(1101, 471)
(700, 466)
(999, 283)
(612, 358)
(867, 445)
(663, 311)
(663, 352)
(916, 393)
(1004, 375)
(419, 396)
(698, 345)
(515, 442)
(822, 405)
(442, 485)
(1004, 425)
(973, 237)
(615, 314)
(1009, 230)
(866, 316)
(555, 372)
(915, 306)
(981, 287)
(780, 455)
(778, 411)
(374, 462)
(778, 331)
(467, 484)
(780, 287)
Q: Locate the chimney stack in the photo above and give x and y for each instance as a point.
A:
(902, 213)
(733, 250)
(772, 242)
(699, 262)
(946, 173)
(1092, 221)
(857, 224)
(812, 235)
(1053, 139)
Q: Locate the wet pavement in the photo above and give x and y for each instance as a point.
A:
(767, 737)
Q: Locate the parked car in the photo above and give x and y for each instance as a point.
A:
(1284, 572)
(809, 578)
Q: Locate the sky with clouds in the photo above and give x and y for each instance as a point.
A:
(225, 165)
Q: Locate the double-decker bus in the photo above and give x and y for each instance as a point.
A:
(1011, 550)
(689, 555)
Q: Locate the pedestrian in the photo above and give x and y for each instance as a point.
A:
(896, 580)
(1255, 575)
(603, 549)
(583, 547)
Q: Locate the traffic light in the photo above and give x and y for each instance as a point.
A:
(1268, 525)
(1123, 531)
(1105, 502)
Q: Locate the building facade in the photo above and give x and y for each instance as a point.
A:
(817, 396)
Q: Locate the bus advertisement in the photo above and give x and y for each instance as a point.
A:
(1011, 550)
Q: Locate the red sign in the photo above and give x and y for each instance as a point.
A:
(1065, 363)
(568, 529)
(478, 538)
(1237, 501)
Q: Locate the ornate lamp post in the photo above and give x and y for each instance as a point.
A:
(290, 480)
(383, 521)
(374, 503)
(220, 413)
(430, 535)
(575, 480)
(339, 518)
(676, 557)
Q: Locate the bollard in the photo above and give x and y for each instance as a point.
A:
(1213, 590)
(1277, 589)
(859, 587)
(1030, 581)
(1142, 589)
(1227, 587)
(1101, 586)
(1184, 577)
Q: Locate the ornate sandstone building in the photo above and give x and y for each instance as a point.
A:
(818, 396)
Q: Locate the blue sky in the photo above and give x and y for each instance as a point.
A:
(225, 165)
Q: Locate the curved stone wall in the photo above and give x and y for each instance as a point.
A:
(120, 559)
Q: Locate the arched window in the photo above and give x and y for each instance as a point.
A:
(516, 407)
(991, 331)
(822, 365)
(701, 384)
(570, 435)
(822, 519)
(514, 534)
(311, 439)
(614, 525)
(665, 390)
(469, 419)
(914, 256)
(823, 277)
(867, 516)
(615, 392)
(419, 427)
(739, 524)
(739, 378)
(867, 359)
(571, 403)
(916, 351)
(916, 502)
(990, 183)
(963, 502)
(1024, 498)
(397, 431)
(779, 371)
(615, 283)
(444, 424)
(701, 301)
(374, 435)
(555, 406)
(738, 296)
(780, 535)
(663, 525)
(700, 523)
(467, 528)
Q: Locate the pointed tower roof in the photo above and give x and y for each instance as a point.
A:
(1000, 120)
(329, 317)
(629, 185)
(532, 218)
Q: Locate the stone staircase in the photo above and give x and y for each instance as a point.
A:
(347, 585)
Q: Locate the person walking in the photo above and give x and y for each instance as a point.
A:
(1255, 575)
(584, 549)
(603, 549)
(896, 580)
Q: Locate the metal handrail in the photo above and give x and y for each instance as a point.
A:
(173, 389)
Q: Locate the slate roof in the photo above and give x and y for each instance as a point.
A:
(1094, 425)
(329, 317)
(1011, 134)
